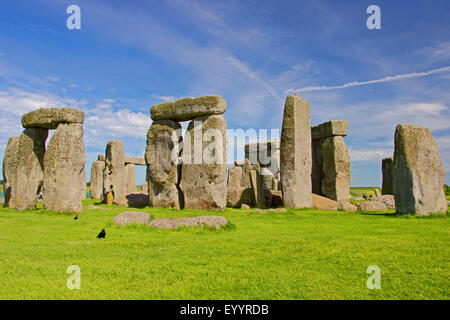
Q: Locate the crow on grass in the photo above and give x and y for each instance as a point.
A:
(102, 234)
(76, 217)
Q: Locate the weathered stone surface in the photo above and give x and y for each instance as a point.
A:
(387, 166)
(83, 185)
(266, 154)
(245, 207)
(377, 193)
(418, 172)
(275, 184)
(137, 200)
(375, 205)
(131, 175)
(130, 217)
(138, 161)
(388, 200)
(322, 203)
(188, 108)
(96, 208)
(144, 187)
(50, 118)
(330, 129)
(258, 190)
(30, 169)
(64, 169)
(101, 157)
(295, 157)
(239, 163)
(115, 176)
(266, 177)
(161, 156)
(204, 180)
(246, 168)
(10, 167)
(347, 206)
(96, 188)
(277, 198)
(331, 174)
(234, 189)
(201, 221)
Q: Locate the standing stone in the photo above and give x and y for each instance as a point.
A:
(131, 183)
(97, 169)
(266, 177)
(258, 189)
(30, 169)
(83, 185)
(115, 176)
(161, 156)
(331, 171)
(336, 168)
(204, 180)
(64, 169)
(144, 188)
(10, 167)
(295, 153)
(418, 172)
(387, 167)
(234, 189)
(266, 153)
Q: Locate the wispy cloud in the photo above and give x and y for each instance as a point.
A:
(363, 83)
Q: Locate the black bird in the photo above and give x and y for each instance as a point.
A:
(76, 217)
(102, 234)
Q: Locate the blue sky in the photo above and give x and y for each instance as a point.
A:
(130, 55)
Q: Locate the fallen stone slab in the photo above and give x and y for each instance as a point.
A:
(186, 109)
(375, 205)
(50, 118)
(322, 203)
(176, 223)
(387, 199)
(129, 217)
(330, 129)
(347, 206)
(96, 208)
(245, 206)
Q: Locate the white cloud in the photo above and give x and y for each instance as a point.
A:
(440, 52)
(373, 155)
(164, 98)
(361, 83)
(52, 78)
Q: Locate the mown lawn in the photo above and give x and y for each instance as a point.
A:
(300, 254)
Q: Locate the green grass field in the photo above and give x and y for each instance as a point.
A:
(300, 254)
